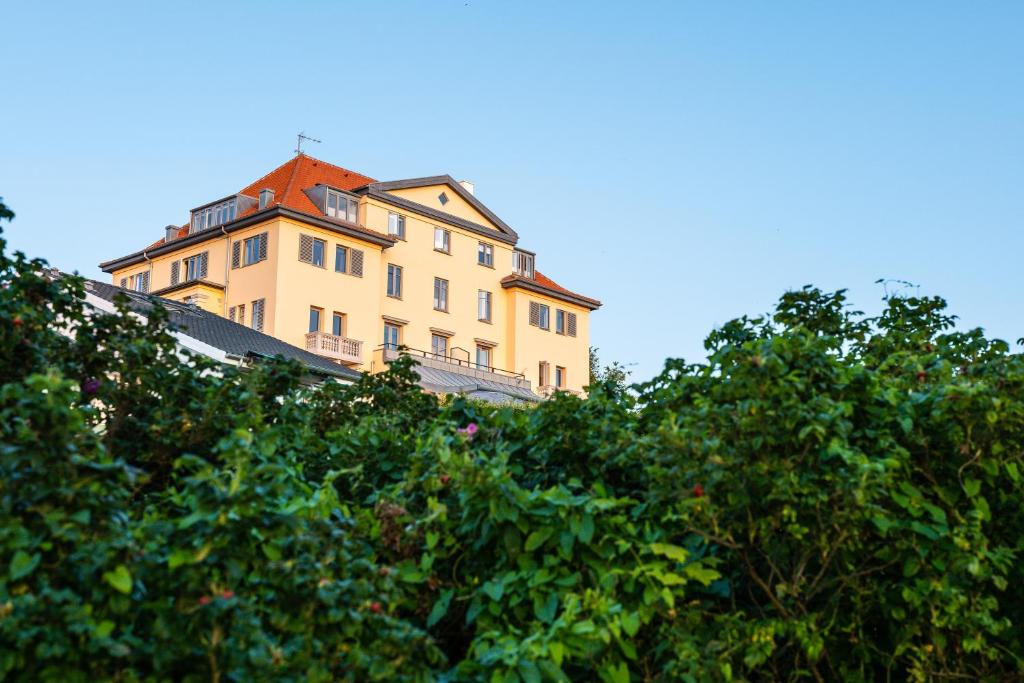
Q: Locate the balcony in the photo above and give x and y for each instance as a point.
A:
(331, 346)
(448, 374)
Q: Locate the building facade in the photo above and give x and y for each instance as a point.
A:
(353, 269)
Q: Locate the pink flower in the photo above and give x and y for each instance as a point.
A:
(469, 430)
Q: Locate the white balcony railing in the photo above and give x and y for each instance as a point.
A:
(332, 346)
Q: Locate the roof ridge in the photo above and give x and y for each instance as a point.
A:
(340, 168)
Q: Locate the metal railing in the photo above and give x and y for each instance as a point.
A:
(448, 358)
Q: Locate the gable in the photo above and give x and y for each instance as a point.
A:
(459, 203)
(456, 205)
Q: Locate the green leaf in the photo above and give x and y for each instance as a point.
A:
(670, 579)
(630, 622)
(700, 573)
(494, 590)
(22, 564)
(552, 671)
(440, 608)
(528, 671)
(537, 538)
(586, 528)
(673, 552)
(120, 579)
(615, 673)
(104, 628)
(546, 608)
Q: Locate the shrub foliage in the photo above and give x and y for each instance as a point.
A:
(827, 497)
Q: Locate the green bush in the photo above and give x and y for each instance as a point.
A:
(827, 497)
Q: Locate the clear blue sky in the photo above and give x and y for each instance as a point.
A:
(683, 162)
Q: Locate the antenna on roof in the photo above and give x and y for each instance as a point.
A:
(303, 136)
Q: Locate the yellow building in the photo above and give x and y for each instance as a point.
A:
(352, 269)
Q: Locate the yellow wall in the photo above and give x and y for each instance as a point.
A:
(533, 344)
(290, 287)
(456, 206)
(301, 285)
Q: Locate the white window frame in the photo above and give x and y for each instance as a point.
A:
(441, 287)
(396, 225)
(485, 254)
(351, 206)
(483, 306)
(394, 281)
(445, 246)
(323, 252)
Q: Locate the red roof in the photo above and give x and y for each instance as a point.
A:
(545, 282)
(302, 172)
(288, 182)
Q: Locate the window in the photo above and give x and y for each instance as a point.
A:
(212, 216)
(559, 321)
(396, 225)
(394, 281)
(440, 294)
(342, 206)
(195, 266)
(570, 324)
(443, 198)
(258, 307)
(559, 377)
(252, 250)
(314, 318)
(391, 336)
(319, 246)
(340, 259)
(140, 282)
(439, 346)
(542, 375)
(483, 306)
(241, 314)
(540, 315)
(483, 357)
(255, 248)
(522, 264)
(233, 314)
(485, 255)
(442, 240)
(338, 324)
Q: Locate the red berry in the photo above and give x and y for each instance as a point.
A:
(445, 478)
(698, 491)
(227, 595)
(205, 600)
(376, 608)
(921, 375)
(17, 322)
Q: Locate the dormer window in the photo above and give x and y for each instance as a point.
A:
(522, 263)
(218, 213)
(342, 206)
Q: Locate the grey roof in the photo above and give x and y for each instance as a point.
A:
(221, 333)
(445, 382)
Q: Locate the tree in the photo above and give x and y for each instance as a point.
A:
(615, 374)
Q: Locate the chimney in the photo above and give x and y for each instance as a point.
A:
(266, 198)
(170, 233)
(467, 186)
